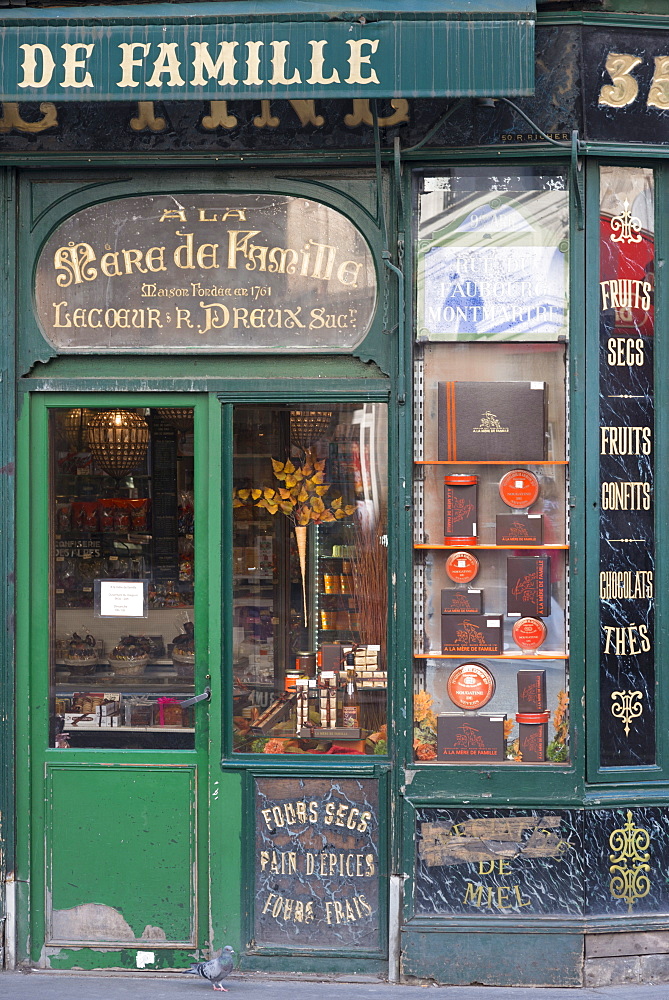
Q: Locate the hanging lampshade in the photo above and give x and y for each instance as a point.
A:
(76, 428)
(181, 418)
(307, 426)
(118, 440)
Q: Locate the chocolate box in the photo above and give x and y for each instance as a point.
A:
(528, 585)
(461, 601)
(531, 691)
(532, 741)
(519, 529)
(471, 634)
(460, 510)
(492, 421)
(470, 737)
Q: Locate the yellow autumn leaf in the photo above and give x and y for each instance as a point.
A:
(291, 481)
(243, 494)
(284, 494)
(350, 509)
(277, 466)
(320, 466)
(289, 467)
(286, 508)
(302, 496)
(236, 502)
(320, 491)
(272, 508)
(317, 505)
(340, 515)
(304, 516)
(318, 478)
(268, 493)
(326, 516)
(336, 503)
(256, 494)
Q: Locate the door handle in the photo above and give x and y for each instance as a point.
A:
(205, 696)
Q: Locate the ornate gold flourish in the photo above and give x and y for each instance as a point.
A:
(626, 225)
(627, 705)
(630, 845)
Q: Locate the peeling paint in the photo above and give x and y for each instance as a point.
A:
(97, 922)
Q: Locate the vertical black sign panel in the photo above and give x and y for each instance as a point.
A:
(164, 503)
(626, 578)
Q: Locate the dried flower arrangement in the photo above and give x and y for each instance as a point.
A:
(299, 498)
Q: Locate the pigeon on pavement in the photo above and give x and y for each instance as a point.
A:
(216, 969)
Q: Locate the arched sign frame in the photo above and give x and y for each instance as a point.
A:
(49, 204)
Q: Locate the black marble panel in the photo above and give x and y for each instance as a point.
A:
(541, 862)
(317, 863)
(628, 861)
(626, 519)
(630, 115)
(528, 862)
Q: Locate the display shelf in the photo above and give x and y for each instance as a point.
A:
(130, 729)
(518, 461)
(492, 656)
(435, 545)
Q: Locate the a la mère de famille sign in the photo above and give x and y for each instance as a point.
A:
(206, 272)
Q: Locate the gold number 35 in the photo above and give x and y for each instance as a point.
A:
(624, 89)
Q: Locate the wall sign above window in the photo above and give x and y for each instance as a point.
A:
(206, 272)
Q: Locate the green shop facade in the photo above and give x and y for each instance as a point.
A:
(333, 479)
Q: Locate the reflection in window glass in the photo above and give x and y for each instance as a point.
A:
(310, 579)
(122, 637)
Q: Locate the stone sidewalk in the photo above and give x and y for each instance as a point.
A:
(39, 985)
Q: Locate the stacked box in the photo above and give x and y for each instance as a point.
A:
(471, 634)
(461, 601)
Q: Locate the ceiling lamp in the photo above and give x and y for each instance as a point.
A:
(76, 428)
(118, 440)
(178, 417)
(308, 426)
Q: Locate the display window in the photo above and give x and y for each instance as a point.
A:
(310, 578)
(491, 531)
(122, 634)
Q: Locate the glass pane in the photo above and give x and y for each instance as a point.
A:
(492, 255)
(310, 578)
(491, 680)
(121, 581)
(626, 412)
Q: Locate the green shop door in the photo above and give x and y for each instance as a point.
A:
(113, 624)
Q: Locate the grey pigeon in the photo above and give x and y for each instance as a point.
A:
(216, 969)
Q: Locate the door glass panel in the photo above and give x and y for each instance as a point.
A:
(122, 642)
(310, 578)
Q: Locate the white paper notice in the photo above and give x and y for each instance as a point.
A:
(122, 599)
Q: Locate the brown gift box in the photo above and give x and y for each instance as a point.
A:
(471, 634)
(470, 737)
(461, 601)
(519, 529)
(528, 586)
(531, 691)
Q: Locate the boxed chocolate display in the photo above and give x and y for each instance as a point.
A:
(492, 421)
(461, 601)
(470, 737)
(528, 587)
(519, 529)
(532, 740)
(460, 510)
(531, 691)
(471, 634)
